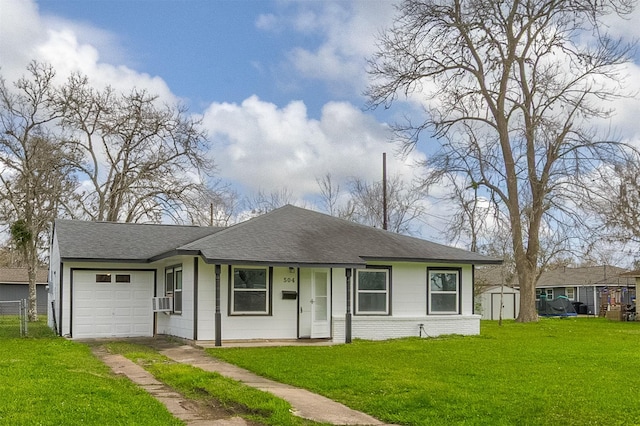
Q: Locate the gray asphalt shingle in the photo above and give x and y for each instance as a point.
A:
(122, 241)
(292, 235)
(288, 235)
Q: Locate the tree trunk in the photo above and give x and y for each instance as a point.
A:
(32, 269)
(526, 278)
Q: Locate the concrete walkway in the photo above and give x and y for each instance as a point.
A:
(180, 407)
(305, 404)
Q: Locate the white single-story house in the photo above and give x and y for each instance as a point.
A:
(288, 274)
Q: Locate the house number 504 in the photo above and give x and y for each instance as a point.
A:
(289, 280)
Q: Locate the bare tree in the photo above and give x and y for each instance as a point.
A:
(35, 174)
(140, 160)
(217, 207)
(329, 194)
(510, 88)
(366, 204)
(616, 201)
(474, 218)
(263, 202)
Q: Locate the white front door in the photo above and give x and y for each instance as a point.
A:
(320, 311)
(315, 304)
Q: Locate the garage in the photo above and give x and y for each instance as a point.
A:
(112, 303)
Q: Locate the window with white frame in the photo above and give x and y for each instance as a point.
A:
(372, 291)
(250, 291)
(547, 293)
(173, 286)
(570, 292)
(444, 291)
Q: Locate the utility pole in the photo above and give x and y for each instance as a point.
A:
(384, 192)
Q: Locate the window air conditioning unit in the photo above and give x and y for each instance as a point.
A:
(162, 304)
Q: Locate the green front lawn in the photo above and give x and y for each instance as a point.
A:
(245, 401)
(47, 380)
(574, 371)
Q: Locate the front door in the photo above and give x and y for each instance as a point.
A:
(315, 304)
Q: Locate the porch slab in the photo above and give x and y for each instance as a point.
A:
(265, 343)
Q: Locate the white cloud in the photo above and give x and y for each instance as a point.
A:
(264, 147)
(25, 35)
(20, 34)
(348, 31)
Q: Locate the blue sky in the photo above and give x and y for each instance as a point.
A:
(278, 83)
(206, 51)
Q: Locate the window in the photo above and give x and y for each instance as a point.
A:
(122, 278)
(250, 291)
(173, 287)
(444, 291)
(570, 292)
(547, 293)
(372, 291)
(103, 278)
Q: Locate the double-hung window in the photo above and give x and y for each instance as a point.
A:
(251, 292)
(173, 286)
(372, 291)
(444, 291)
(570, 292)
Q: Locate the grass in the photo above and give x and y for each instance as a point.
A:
(570, 372)
(558, 371)
(195, 383)
(47, 380)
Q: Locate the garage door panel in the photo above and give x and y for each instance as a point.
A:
(124, 295)
(113, 309)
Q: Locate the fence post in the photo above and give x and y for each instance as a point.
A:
(23, 317)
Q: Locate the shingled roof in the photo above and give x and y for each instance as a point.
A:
(133, 242)
(292, 235)
(21, 276)
(286, 236)
(603, 275)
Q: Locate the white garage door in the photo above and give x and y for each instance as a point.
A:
(112, 304)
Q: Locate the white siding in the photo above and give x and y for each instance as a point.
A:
(408, 303)
(179, 325)
(281, 324)
(54, 285)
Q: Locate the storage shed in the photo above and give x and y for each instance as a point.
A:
(488, 302)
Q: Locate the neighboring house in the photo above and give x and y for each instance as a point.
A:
(289, 274)
(14, 285)
(592, 289)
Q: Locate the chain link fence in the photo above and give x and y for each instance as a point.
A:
(13, 318)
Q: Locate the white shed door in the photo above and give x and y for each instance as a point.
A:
(112, 304)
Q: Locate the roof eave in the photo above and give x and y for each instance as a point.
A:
(433, 260)
(102, 260)
(292, 264)
(176, 252)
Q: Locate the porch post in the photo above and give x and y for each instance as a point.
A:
(347, 322)
(218, 317)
